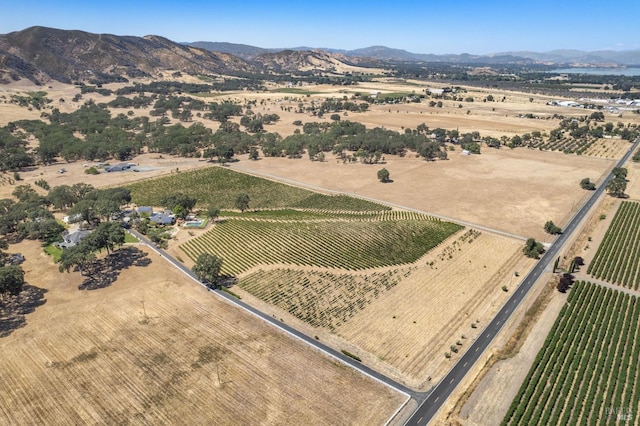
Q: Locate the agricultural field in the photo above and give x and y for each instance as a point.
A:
(515, 191)
(398, 319)
(320, 298)
(586, 372)
(217, 186)
(329, 243)
(616, 259)
(154, 348)
(603, 148)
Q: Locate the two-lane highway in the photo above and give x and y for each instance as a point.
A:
(428, 409)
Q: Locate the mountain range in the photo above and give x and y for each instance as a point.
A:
(383, 53)
(41, 54)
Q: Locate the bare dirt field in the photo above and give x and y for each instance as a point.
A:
(515, 191)
(155, 348)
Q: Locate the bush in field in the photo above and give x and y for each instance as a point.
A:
(587, 184)
(242, 202)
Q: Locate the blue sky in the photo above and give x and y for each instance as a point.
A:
(446, 26)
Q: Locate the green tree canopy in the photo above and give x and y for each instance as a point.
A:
(11, 280)
(533, 248)
(242, 202)
(383, 175)
(551, 228)
(207, 268)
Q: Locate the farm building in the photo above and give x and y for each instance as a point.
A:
(118, 167)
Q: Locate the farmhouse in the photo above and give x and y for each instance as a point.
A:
(162, 218)
(71, 239)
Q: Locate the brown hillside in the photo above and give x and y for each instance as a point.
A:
(40, 54)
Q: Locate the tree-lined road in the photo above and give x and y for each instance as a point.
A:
(428, 409)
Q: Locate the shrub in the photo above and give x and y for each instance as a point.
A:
(352, 356)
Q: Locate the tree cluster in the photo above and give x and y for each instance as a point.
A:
(618, 184)
(207, 269)
(565, 282)
(533, 248)
(107, 235)
(552, 228)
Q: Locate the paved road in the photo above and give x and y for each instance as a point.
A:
(284, 327)
(428, 409)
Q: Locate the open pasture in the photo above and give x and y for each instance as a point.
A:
(154, 348)
(515, 191)
(586, 373)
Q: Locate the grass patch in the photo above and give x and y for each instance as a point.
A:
(295, 91)
(229, 292)
(350, 355)
(128, 238)
(219, 186)
(54, 252)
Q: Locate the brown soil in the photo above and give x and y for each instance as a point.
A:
(155, 348)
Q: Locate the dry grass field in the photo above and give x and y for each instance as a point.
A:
(416, 313)
(415, 323)
(154, 348)
(633, 180)
(515, 191)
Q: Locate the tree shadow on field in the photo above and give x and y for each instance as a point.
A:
(13, 309)
(104, 272)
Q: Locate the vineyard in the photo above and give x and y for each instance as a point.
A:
(604, 148)
(321, 298)
(616, 260)
(373, 240)
(586, 371)
(217, 186)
